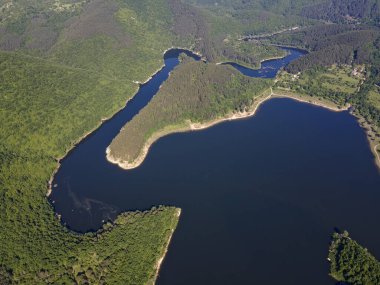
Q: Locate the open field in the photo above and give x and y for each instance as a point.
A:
(374, 97)
(336, 83)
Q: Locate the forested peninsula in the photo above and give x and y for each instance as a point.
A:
(196, 93)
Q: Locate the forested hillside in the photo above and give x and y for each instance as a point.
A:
(339, 11)
(276, 6)
(343, 11)
(256, 16)
(347, 47)
(216, 36)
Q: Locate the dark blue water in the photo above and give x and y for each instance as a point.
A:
(260, 196)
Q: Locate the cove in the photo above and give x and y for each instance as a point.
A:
(259, 196)
(269, 68)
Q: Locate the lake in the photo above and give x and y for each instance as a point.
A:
(260, 197)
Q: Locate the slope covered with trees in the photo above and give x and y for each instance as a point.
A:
(343, 11)
(331, 44)
(259, 16)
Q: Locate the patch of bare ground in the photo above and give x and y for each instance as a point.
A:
(9, 41)
(40, 35)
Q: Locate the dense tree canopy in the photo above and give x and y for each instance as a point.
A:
(351, 263)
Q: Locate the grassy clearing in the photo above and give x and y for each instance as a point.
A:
(337, 83)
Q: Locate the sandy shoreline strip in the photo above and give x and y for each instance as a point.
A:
(377, 155)
(190, 126)
(312, 102)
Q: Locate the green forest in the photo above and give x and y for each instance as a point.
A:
(66, 65)
(351, 263)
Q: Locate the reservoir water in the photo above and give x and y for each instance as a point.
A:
(260, 197)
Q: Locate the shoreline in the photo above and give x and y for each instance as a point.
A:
(75, 143)
(312, 102)
(377, 155)
(373, 142)
(159, 262)
(190, 126)
(104, 119)
(139, 84)
(260, 62)
(163, 65)
(78, 141)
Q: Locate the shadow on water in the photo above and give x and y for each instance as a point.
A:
(260, 197)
